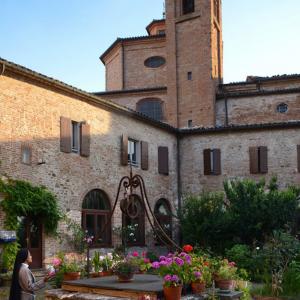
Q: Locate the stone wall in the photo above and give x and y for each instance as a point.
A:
(234, 146)
(30, 114)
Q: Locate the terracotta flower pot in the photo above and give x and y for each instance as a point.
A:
(95, 274)
(106, 273)
(225, 284)
(172, 292)
(125, 277)
(72, 276)
(198, 287)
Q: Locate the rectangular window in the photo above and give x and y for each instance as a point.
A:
(188, 6)
(190, 123)
(212, 161)
(258, 160)
(75, 136)
(133, 152)
(189, 75)
(161, 32)
(26, 154)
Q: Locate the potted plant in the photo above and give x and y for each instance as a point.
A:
(141, 261)
(125, 270)
(96, 264)
(226, 275)
(106, 264)
(174, 270)
(71, 266)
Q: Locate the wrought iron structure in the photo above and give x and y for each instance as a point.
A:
(131, 206)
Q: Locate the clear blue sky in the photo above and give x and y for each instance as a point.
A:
(64, 38)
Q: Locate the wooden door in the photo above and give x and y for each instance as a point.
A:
(30, 236)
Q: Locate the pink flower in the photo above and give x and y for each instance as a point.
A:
(144, 254)
(146, 260)
(135, 254)
(155, 265)
(231, 264)
(56, 262)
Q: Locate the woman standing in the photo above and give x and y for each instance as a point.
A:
(23, 283)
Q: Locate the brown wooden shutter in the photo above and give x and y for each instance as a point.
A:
(144, 156)
(124, 150)
(206, 162)
(65, 135)
(217, 161)
(163, 160)
(263, 159)
(253, 156)
(298, 157)
(85, 140)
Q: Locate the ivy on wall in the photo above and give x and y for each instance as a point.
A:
(24, 199)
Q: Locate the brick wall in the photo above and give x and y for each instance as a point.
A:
(113, 70)
(234, 146)
(30, 112)
(258, 109)
(137, 75)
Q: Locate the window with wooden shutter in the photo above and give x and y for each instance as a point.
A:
(65, 135)
(298, 157)
(124, 150)
(163, 160)
(253, 155)
(144, 156)
(212, 161)
(258, 160)
(216, 161)
(85, 140)
(206, 162)
(263, 160)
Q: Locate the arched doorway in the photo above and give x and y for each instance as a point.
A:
(163, 214)
(30, 235)
(95, 215)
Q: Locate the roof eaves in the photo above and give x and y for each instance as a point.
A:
(258, 126)
(18, 69)
(136, 38)
(153, 22)
(116, 92)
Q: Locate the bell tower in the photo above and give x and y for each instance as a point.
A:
(195, 60)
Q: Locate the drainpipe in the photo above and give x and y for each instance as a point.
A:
(226, 110)
(179, 190)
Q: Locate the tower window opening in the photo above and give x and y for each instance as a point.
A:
(189, 75)
(188, 6)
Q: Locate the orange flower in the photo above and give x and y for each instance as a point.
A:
(187, 248)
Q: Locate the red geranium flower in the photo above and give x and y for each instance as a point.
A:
(188, 248)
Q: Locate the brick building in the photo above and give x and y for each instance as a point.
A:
(165, 107)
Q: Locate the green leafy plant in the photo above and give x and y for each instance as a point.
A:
(9, 255)
(24, 199)
(227, 270)
(125, 267)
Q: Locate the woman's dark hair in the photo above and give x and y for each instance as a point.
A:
(15, 289)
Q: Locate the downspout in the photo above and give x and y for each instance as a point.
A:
(226, 110)
(179, 188)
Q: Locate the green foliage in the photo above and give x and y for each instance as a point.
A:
(249, 213)
(202, 220)
(241, 255)
(291, 279)
(76, 235)
(9, 255)
(256, 210)
(24, 199)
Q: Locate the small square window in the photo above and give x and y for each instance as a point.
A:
(188, 6)
(189, 75)
(161, 32)
(133, 152)
(75, 136)
(190, 123)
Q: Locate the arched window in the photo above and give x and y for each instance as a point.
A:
(134, 228)
(163, 214)
(95, 213)
(151, 107)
